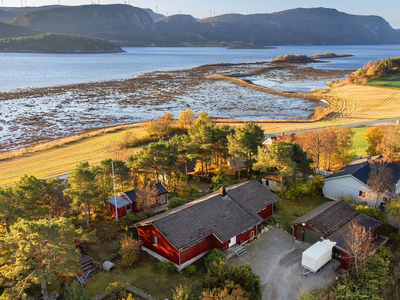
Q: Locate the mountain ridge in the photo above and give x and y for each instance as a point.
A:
(133, 26)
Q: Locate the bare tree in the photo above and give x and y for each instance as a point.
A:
(380, 178)
(117, 150)
(147, 198)
(358, 242)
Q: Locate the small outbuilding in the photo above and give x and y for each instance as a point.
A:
(333, 220)
(126, 202)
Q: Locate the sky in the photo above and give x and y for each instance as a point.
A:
(388, 9)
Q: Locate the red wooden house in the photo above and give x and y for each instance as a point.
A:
(219, 220)
(332, 220)
(126, 201)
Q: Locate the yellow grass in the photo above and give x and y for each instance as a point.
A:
(350, 104)
(62, 159)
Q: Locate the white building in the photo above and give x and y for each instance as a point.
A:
(351, 181)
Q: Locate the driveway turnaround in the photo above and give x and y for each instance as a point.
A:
(276, 258)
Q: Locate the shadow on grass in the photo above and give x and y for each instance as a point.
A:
(144, 276)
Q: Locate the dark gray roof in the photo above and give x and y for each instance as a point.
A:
(332, 220)
(328, 217)
(121, 201)
(225, 217)
(161, 189)
(361, 168)
(340, 235)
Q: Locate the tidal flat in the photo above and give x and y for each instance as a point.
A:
(32, 116)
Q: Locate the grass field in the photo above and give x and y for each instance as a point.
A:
(390, 81)
(62, 159)
(145, 276)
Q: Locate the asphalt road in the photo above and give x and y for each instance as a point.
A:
(366, 123)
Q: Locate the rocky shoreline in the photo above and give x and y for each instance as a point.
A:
(33, 116)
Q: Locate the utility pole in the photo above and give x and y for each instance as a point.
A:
(156, 9)
(115, 195)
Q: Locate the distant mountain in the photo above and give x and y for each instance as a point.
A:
(10, 31)
(57, 42)
(6, 16)
(314, 26)
(132, 26)
(180, 23)
(113, 22)
(153, 15)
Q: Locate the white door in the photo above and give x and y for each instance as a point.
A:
(128, 209)
(232, 241)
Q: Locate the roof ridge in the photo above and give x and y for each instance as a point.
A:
(178, 209)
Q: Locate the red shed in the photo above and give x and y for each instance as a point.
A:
(332, 220)
(126, 201)
(219, 220)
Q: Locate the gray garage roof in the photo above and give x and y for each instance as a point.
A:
(361, 168)
(332, 220)
(121, 201)
(223, 216)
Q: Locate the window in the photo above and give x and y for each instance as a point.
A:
(361, 194)
(155, 243)
(192, 244)
(128, 207)
(267, 182)
(200, 241)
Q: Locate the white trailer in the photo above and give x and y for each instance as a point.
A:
(315, 257)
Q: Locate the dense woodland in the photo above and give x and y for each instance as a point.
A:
(41, 220)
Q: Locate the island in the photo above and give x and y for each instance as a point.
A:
(58, 43)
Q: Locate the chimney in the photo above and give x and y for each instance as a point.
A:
(222, 192)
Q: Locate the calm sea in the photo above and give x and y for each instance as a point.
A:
(29, 70)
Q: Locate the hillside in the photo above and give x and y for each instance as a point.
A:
(10, 31)
(56, 42)
(112, 22)
(6, 16)
(155, 16)
(314, 26)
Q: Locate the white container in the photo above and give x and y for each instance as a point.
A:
(317, 255)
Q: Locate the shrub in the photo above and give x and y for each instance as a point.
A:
(128, 220)
(298, 188)
(215, 255)
(372, 212)
(218, 274)
(129, 251)
(190, 270)
(277, 204)
(181, 292)
(165, 267)
(75, 292)
(117, 290)
(175, 202)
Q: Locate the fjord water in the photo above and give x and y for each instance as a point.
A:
(30, 70)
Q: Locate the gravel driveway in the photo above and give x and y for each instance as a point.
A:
(276, 258)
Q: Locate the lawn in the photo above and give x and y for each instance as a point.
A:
(360, 145)
(390, 81)
(144, 276)
(291, 210)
